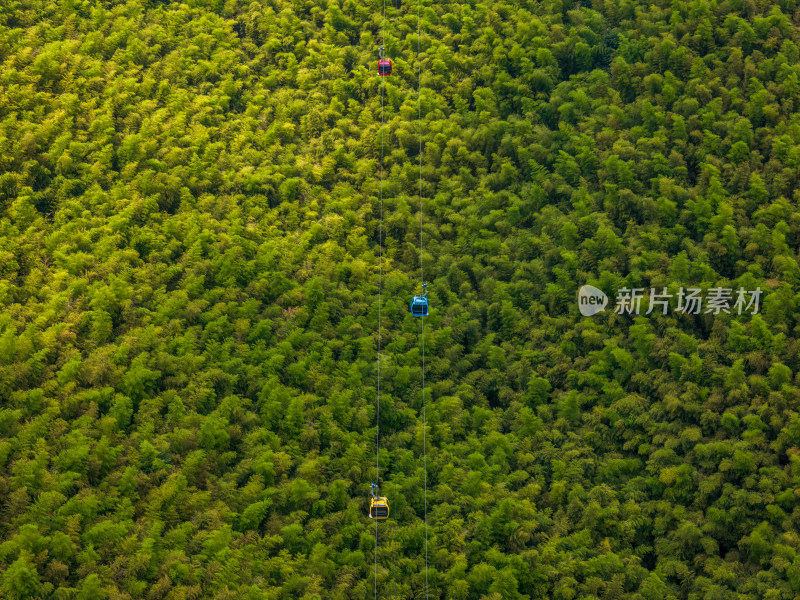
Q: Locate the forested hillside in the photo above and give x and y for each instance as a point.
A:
(189, 242)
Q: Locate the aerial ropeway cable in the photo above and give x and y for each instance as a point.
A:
(422, 307)
(379, 505)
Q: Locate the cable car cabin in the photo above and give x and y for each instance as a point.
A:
(378, 508)
(419, 306)
(384, 67)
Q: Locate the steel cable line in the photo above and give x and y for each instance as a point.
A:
(422, 278)
(380, 290)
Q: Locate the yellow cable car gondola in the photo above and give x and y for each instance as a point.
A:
(379, 508)
(378, 505)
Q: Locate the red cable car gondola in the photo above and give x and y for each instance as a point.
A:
(384, 64)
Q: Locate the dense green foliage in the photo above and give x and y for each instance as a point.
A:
(189, 231)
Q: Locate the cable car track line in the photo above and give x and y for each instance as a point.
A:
(380, 290)
(422, 278)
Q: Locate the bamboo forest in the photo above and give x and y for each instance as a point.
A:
(399, 299)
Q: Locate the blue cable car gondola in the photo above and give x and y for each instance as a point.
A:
(419, 304)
